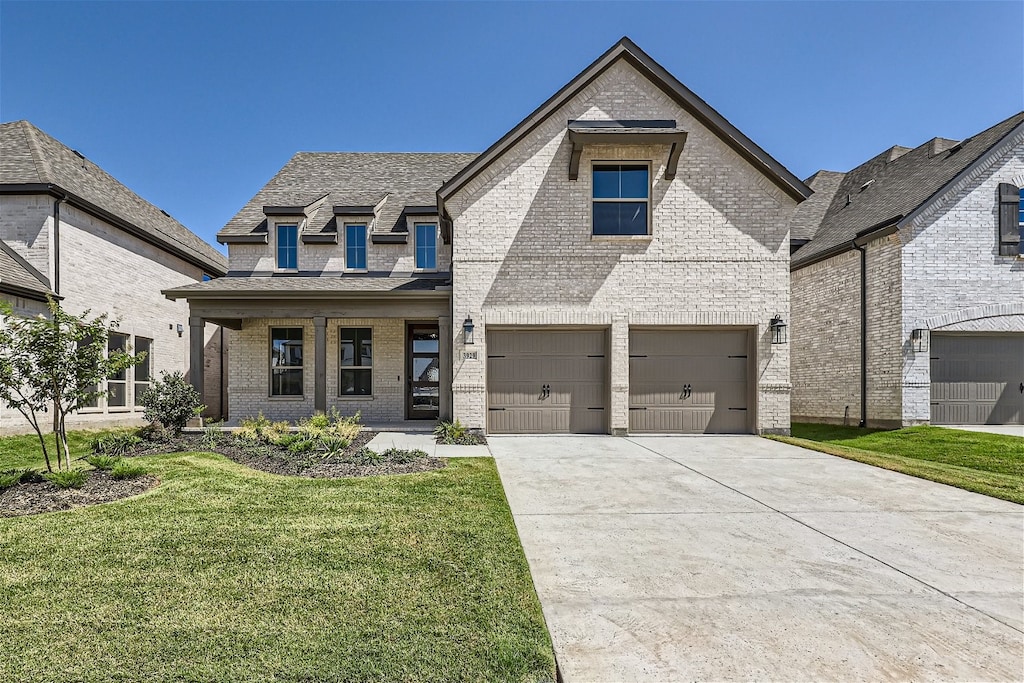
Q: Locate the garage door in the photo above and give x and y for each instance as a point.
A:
(692, 382)
(547, 381)
(977, 379)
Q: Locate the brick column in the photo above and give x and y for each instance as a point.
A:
(320, 363)
(444, 325)
(197, 348)
(618, 357)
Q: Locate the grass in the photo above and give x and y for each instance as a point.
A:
(228, 574)
(992, 464)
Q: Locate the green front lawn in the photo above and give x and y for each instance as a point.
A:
(223, 573)
(992, 464)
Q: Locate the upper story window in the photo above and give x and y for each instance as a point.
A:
(621, 199)
(426, 246)
(1011, 219)
(287, 247)
(286, 361)
(355, 246)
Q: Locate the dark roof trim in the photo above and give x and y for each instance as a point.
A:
(249, 294)
(284, 211)
(353, 210)
(27, 293)
(250, 238)
(60, 193)
(876, 231)
(628, 50)
(320, 237)
(428, 210)
(389, 237)
(583, 133)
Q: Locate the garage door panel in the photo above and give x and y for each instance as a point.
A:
(690, 381)
(975, 379)
(572, 364)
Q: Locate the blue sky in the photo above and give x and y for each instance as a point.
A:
(195, 105)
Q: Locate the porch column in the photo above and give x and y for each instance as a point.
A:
(320, 363)
(444, 324)
(196, 352)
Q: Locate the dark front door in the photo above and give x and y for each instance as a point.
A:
(424, 371)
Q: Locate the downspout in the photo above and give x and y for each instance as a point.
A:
(56, 243)
(223, 389)
(863, 333)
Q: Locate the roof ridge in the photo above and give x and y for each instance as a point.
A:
(42, 168)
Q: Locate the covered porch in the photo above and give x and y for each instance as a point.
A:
(377, 345)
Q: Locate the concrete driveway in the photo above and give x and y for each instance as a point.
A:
(726, 558)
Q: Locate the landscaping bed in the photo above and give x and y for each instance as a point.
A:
(42, 496)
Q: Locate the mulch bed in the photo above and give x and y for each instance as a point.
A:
(100, 487)
(269, 458)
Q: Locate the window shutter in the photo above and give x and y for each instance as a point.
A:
(1009, 226)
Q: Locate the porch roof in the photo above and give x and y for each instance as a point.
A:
(312, 287)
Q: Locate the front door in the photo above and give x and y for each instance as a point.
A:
(423, 369)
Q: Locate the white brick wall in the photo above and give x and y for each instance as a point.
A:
(249, 384)
(952, 270)
(105, 270)
(524, 255)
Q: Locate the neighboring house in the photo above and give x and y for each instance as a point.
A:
(69, 229)
(908, 286)
(616, 273)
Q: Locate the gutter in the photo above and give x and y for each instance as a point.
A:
(877, 231)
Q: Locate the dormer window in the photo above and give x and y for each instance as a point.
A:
(355, 246)
(288, 247)
(426, 246)
(621, 199)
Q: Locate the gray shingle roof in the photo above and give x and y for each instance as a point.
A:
(809, 214)
(226, 287)
(19, 276)
(350, 179)
(897, 187)
(28, 156)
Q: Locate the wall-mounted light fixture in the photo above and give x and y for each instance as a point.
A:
(181, 329)
(778, 330)
(467, 331)
(919, 340)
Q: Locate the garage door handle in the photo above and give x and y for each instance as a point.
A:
(1022, 387)
(687, 390)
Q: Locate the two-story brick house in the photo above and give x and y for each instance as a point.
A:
(908, 286)
(70, 230)
(618, 262)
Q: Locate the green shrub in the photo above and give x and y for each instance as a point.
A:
(403, 456)
(172, 402)
(456, 433)
(102, 462)
(300, 445)
(261, 430)
(333, 444)
(211, 435)
(67, 479)
(31, 476)
(124, 469)
(366, 456)
(332, 424)
(115, 443)
(9, 478)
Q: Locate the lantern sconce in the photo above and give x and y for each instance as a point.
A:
(778, 330)
(467, 331)
(180, 329)
(919, 340)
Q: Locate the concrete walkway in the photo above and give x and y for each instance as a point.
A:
(1007, 430)
(728, 558)
(425, 442)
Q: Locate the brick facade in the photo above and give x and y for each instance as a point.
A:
(718, 253)
(103, 269)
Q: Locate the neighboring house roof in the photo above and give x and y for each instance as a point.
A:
(627, 50)
(809, 214)
(18, 277)
(887, 188)
(31, 161)
(314, 286)
(390, 181)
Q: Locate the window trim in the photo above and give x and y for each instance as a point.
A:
(128, 397)
(277, 247)
(595, 164)
(369, 368)
(135, 382)
(270, 364)
(366, 246)
(416, 246)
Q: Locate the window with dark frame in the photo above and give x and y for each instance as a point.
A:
(286, 361)
(93, 389)
(117, 384)
(144, 370)
(288, 247)
(426, 246)
(355, 246)
(621, 199)
(356, 362)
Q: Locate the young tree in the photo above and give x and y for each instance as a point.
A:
(56, 363)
